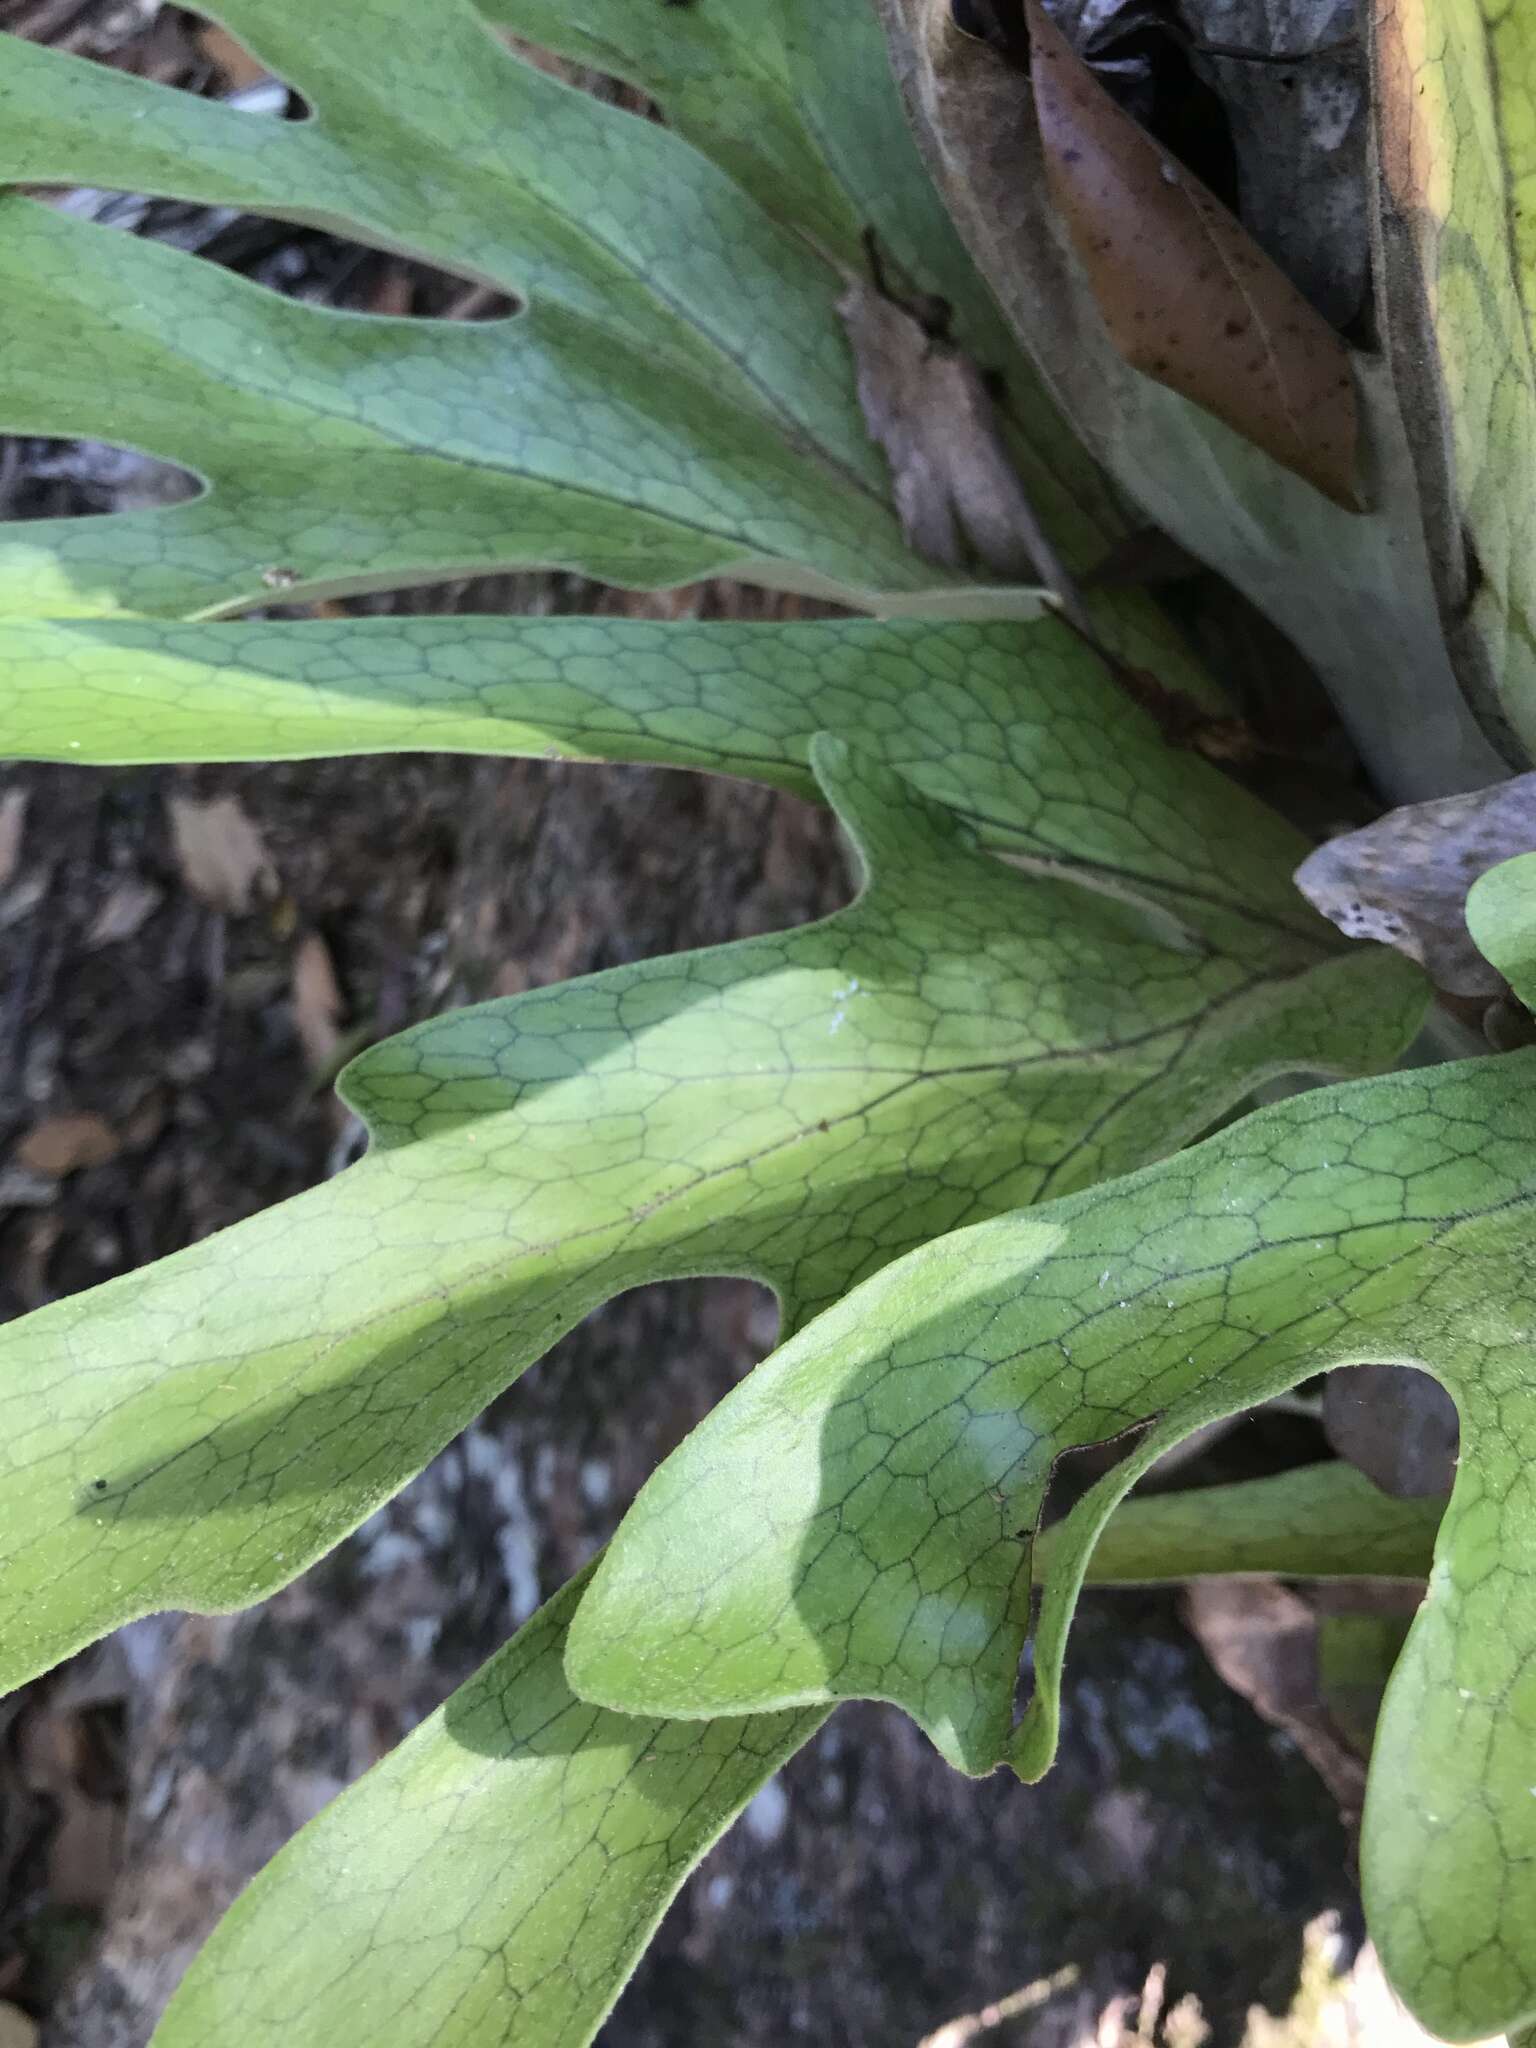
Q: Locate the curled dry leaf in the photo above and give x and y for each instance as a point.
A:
(318, 1004)
(1186, 293)
(1404, 880)
(223, 857)
(925, 404)
(64, 1144)
(1263, 1639)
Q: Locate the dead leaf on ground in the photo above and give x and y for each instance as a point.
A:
(394, 295)
(1312, 1660)
(318, 1004)
(926, 405)
(62, 1760)
(222, 856)
(60, 1145)
(1404, 880)
(1186, 293)
(13, 818)
(1262, 1638)
(126, 908)
(16, 2030)
(146, 1120)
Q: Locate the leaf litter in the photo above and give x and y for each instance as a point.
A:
(1186, 293)
(1403, 880)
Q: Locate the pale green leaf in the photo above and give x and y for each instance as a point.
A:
(1456, 84)
(1318, 1522)
(1501, 916)
(1356, 1656)
(800, 1107)
(795, 99)
(495, 1879)
(505, 1865)
(677, 399)
(854, 1519)
(1021, 730)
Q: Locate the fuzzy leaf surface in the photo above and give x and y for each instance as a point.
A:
(546, 1835)
(1501, 916)
(796, 100)
(801, 1108)
(1322, 1521)
(496, 1877)
(1455, 82)
(675, 398)
(1021, 730)
(853, 1521)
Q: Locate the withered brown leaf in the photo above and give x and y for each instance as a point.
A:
(1187, 295)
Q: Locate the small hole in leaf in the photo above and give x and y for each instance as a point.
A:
(298, 262)
(1074, 1470)
(185, 51)
(1397, 1424)
(46, 478)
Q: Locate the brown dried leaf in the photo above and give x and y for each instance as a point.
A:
(123, 911)
(318, 1004)
(65, 1144)
(84, 1849)
(29, 1270)
(1404, 880)
(222, 856)
(16, 2030)
(1186, 293)
(1356, 595)
(147, 1121)
(925, 404)
(1262, 1638)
